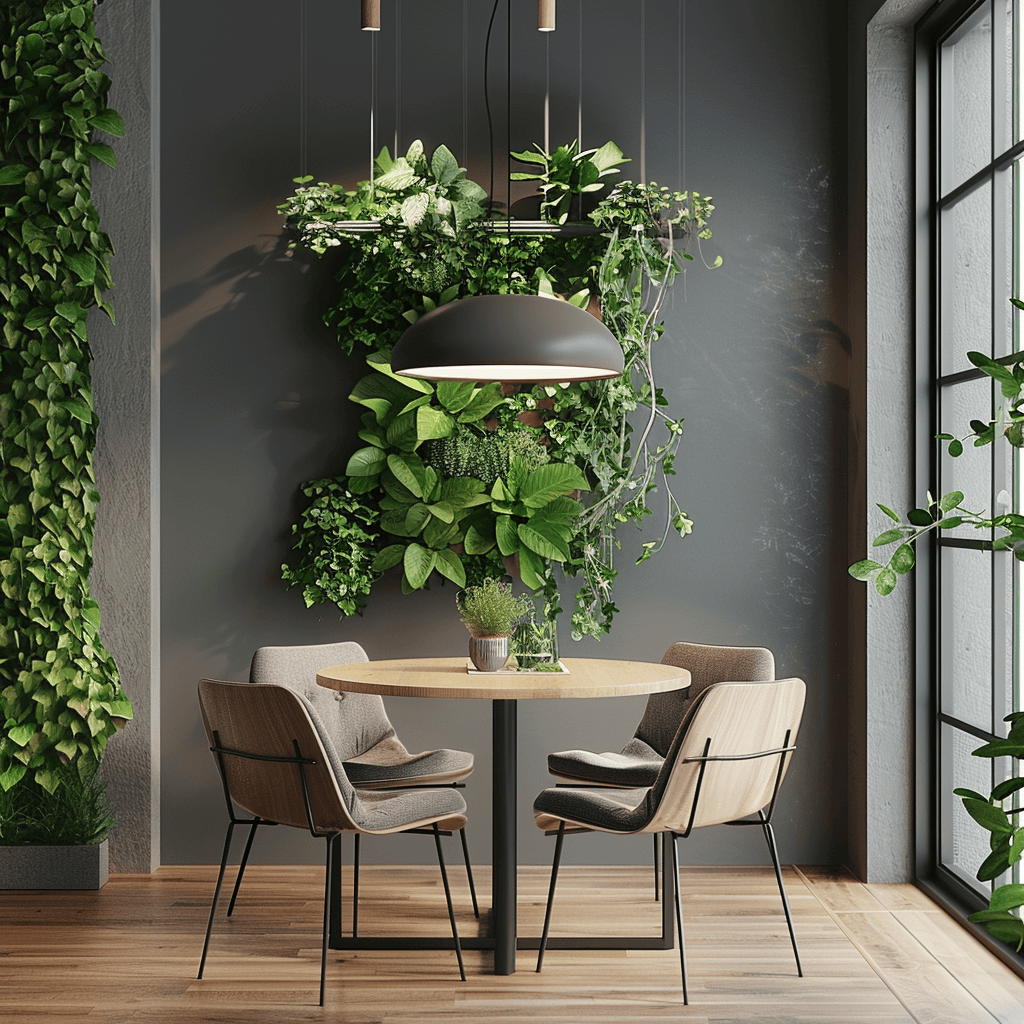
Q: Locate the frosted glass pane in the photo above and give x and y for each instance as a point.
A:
(972, 471)
(965, 844)
(966, 295)
(966, 100)
(965, 615)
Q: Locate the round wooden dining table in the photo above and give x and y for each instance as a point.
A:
(451, 679)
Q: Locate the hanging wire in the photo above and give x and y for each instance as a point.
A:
(547, 92)
(373, 103)
(681, 97)
(579, 83)
(398, 73)
(303, 92)
(487, 96)
(465, 82)
(643, 91)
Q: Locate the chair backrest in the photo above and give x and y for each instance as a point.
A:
(268, 721)
(734, 723)
(707, 664)
(355, 722)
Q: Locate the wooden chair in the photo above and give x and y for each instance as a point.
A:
(641, 759)
(724, 767)
(277, 763)
(357, 723)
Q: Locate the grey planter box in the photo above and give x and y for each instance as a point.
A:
(54, 867)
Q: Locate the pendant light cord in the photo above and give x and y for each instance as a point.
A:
(487, 97)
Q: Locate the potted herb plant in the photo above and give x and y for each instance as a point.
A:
(490, 612)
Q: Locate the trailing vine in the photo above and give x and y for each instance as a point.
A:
(469, 477)
(60, 696)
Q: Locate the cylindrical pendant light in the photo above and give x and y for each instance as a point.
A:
(512, 338)
(545, 15)
(371, 16)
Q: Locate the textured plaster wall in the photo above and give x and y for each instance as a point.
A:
(756, 358)
(125, 575)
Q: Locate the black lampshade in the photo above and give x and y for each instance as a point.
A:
(508, 338)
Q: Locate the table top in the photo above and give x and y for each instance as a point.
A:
(449, 678)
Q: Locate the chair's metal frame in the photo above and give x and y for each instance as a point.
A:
(764, 820)
(333, 860)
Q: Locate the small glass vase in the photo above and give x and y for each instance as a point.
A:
(488, 653)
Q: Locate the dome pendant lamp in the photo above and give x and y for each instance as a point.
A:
(509, 338)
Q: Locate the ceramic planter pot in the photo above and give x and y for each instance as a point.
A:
(488, 653)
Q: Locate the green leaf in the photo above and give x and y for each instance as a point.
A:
(969, 793)
(388, 557)
(993, 865)
(12, 776)
(531, 569)
(992, 818)
(1007, 788)
(885, 581)
(1000, 748)
(13, 174)
(887, 537)
(1016, 846)
(108, 121)
(402, 433)
(408, 469)
(889, 512)
(83, 264)
(1007, 897)
(506, 535)
(369, 461)
(482, 404)
(948, 502)
(956, 448)
(444, 166)
(864, 569)
(418, 562)
(21, 734)
(903, 559)
(455, 395)
(450, 565)
(919, 517)
(102, 152)
(544, 539)
(477, 542)
(432, 423)
(551, 480)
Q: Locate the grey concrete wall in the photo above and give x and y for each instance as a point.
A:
(756, 358)
(125, 577)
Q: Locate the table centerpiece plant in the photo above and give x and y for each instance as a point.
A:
(491, 611)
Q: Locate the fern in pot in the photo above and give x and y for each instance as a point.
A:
(490, 612)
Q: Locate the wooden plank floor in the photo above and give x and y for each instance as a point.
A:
(129, 953)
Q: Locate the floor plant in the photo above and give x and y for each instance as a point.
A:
(464, 480)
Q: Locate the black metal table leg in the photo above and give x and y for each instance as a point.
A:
(503, 835)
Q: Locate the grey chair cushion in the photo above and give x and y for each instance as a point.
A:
(637, 765)
(356, 723)
(613, 810)
(440, 767)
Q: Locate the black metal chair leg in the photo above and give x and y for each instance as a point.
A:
(769, 838)
(469, 872)
(333, 851)
(551, 894)
(679, 918)
(241, 866)
(657, 891)
(448, 897)
(355, 887)
(216, 896)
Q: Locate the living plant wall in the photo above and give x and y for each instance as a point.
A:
(462, 480)
(60, 696)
